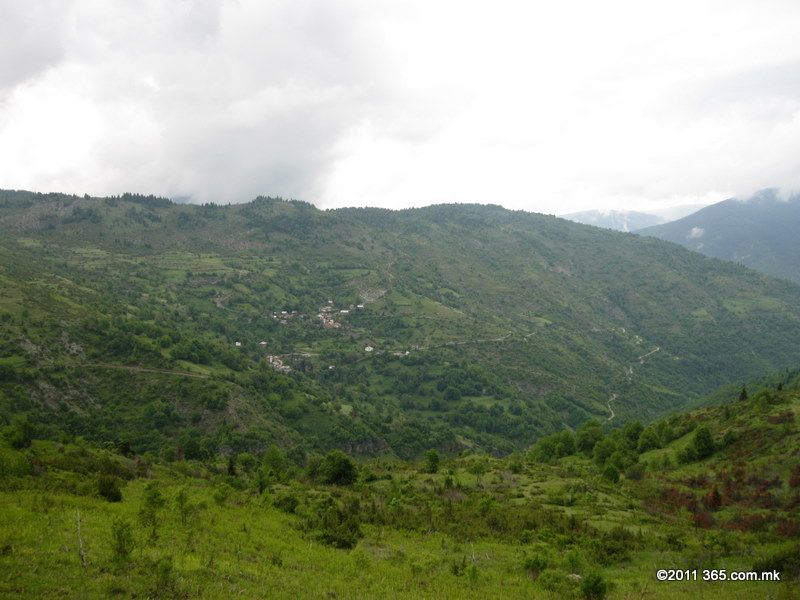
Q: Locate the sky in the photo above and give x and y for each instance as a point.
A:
(551, 107)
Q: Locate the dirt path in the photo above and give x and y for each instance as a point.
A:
(611, 410)
(146, 370)
(643, 356)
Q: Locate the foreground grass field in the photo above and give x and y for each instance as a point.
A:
(80, 522)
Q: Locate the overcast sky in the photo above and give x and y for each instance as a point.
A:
(551, 107)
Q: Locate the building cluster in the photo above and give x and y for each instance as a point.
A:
(330, 315)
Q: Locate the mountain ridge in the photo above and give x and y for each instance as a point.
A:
(759, 232)
(487, 328)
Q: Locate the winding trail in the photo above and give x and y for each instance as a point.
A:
(611, 410)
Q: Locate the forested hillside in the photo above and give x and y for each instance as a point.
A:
(193, 330)
(759, 232)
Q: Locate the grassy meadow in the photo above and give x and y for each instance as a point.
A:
(78, 521)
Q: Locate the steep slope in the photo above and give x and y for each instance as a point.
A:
(760, 232)
(376, 331)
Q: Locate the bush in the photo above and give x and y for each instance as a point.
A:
(14, 464)
(787, 561)
(286, 502)
(431, 462)
(611, 473)
(108, 488)
(594, 587)
(122, 543)
(534, 565)
(558, 583)
(337, 468)
(20, 434)
(334, 526)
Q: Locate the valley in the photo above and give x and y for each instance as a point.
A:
(450, 402)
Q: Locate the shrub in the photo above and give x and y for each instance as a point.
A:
(337, 468)
(431, 462)
(594, 587)
(221, 493)
(286, 502)
(534, 565)
(14, 464)
(611, 473)
(786, 560)
(558, 583)
(122, 543)
(334, 526)
(152, 502)
(108, 488)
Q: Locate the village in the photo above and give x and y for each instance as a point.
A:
(329, 316)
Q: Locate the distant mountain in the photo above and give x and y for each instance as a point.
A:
(761, 233)
(619, 220)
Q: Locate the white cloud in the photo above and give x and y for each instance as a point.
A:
(549, 107)
(696, 233)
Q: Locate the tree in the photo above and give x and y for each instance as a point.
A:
(479, 468)
(108, 488)
(431, 461)
(648, 440)
(274, 462)
(742, 394)
(184, 507)
(152, 502)
(611, 473)
(21, 434)
(338, 468)
(588, 435)
(703, 443)
(122, 542)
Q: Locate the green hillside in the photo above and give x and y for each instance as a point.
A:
(133, 320)
(708, 497)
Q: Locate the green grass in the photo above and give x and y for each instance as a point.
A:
(56, 534)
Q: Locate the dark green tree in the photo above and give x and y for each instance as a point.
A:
(108, 488)
(648, 440)
(337, 468)
(611, 473)
(703, 443)
(431, 461)
(588, 435)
